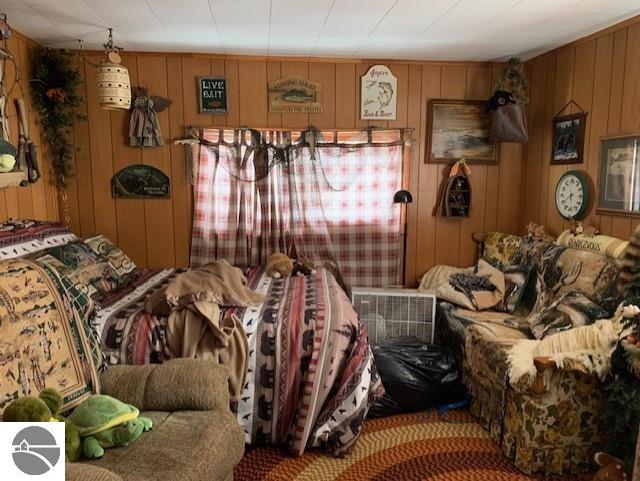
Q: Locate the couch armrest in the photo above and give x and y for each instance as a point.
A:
(87, 472)
(176, 385)
(542, 364)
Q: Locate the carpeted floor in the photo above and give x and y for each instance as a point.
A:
(410, 447)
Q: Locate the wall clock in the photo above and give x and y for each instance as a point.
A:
(572, 195)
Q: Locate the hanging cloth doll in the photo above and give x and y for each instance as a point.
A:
(144, 127)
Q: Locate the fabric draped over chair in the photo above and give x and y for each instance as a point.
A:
(323, 196)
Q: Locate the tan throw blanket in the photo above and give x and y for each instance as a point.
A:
(194, 329)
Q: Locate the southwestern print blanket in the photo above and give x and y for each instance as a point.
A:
(311, 375)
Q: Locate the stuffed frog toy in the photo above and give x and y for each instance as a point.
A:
(44, 409)
(104, 422)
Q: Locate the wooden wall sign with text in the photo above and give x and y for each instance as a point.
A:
(378, 94)
(212, 95)
(140, 182)
(292, 95)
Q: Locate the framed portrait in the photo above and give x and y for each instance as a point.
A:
(460, 128)
(568, 138)
(619, 176)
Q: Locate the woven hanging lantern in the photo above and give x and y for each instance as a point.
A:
(114, 86)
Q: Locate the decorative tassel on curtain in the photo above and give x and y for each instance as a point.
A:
(326, 197)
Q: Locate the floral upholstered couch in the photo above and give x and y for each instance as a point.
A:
(547, 422)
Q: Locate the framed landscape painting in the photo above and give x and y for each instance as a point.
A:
(619, 176)
(460, 128)
(568, 138)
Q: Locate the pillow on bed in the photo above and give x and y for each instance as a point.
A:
(89, 272)
(21, 237)
(116, 258)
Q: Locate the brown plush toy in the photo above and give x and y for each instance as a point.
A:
(279, 265)
(611, 468)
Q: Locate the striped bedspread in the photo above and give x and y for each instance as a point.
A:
(311, 375)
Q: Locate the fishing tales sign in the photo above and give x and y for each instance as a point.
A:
(212, 95)
(378, 94)
(292, 95)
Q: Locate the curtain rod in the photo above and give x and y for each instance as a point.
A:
(294, 129)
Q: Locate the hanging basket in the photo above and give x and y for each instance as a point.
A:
(114, 88)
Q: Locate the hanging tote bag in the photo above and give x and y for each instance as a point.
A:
(509, 124)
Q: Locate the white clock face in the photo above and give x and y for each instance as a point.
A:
(570, 196)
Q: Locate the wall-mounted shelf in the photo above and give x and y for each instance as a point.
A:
(11, 179)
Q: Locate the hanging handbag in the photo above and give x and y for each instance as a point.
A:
(509, 124)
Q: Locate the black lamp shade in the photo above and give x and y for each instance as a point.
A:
(402, 197)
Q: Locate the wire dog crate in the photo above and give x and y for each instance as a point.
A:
(388, 313)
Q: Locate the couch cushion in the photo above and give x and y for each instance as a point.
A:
(569, 310)
(42, 337)
(182, 446)
(502, 249)
(564, 269)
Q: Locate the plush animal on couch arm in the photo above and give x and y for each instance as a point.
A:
(104, 422)
(44, 409)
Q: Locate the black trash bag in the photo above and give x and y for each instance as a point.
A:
(416, 376)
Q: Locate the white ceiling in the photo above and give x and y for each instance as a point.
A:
(401, 29)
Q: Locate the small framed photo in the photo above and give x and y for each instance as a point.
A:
(568, 138)
(460, 128)
(619, 176)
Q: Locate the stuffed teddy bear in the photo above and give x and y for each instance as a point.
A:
(611, 468)
(279, 265)
(303, 268)
(104, 422)
(537, 232)
(44, 409)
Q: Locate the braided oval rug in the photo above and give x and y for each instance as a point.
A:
(408, 447)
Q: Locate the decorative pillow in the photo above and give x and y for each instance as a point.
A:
(572, 309)
(438, 275)
(42, 340)
(600, 244)
(89, 272)
(516, 280)
(478, 290)
(120, 261)
(22, 237)
(502, 249)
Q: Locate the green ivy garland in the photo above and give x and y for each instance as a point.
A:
(56, 78)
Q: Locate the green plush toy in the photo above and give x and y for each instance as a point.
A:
(43, 409)
(104, 422)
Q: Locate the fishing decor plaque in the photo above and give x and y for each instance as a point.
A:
(140, 182)
(293, 95)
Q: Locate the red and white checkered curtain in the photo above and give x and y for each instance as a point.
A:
(334, 203)
(240, 214)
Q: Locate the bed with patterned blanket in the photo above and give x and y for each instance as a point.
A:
(311, 376)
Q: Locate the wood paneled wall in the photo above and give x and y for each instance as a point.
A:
(37, 200)
(157, 232)
(602, 74)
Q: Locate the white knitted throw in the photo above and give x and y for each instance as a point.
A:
(584, 348)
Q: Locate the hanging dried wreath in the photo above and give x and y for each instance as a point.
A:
(54, 88)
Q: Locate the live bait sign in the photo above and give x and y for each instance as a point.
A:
(212, 95)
